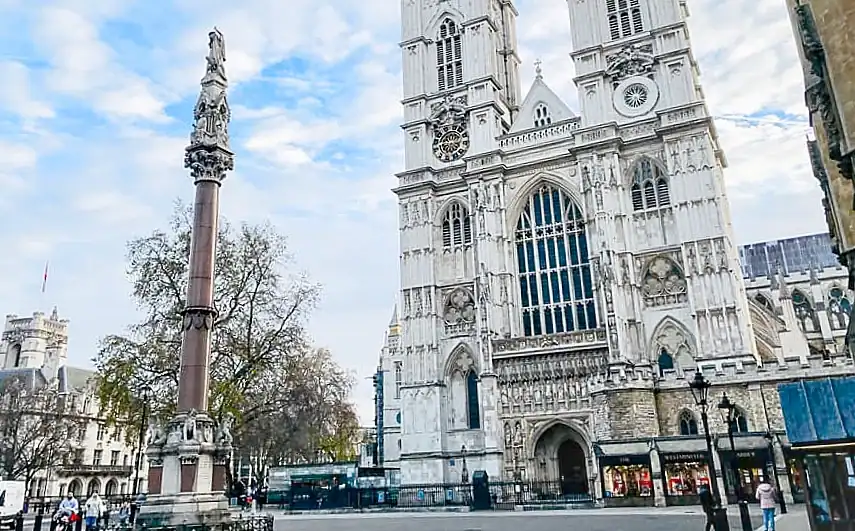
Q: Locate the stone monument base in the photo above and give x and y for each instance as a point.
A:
(192, 509)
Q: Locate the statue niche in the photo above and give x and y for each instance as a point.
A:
(663, 283)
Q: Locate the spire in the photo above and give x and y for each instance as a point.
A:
(783, 289)
(208, 156)
(394, 323)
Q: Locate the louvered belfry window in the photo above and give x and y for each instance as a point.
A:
(456, 227)
(624, 18)
(449, 55)
(650, 187)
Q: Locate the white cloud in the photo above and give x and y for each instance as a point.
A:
(317, 142)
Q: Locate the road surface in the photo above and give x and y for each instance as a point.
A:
(593, 520)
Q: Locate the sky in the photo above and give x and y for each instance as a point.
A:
(96, 101)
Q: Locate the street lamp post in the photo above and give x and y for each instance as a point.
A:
(465, 471)
(769, 438)
(728, 415)
(700, 387)
(138, 461)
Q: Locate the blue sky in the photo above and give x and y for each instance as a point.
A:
(95, 107)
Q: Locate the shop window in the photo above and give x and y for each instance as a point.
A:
(685, 478)
(627, 481)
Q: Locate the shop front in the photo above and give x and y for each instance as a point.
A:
(627, 481)
(625, 474)
(753, 463)
(820, 420)
(683, 474)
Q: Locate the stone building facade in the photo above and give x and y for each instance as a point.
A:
(35, 348)
(823, 31)
(563, 276)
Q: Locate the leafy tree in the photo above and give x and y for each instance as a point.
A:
(36, 428)
(263, 370)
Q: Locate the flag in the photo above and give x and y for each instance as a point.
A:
(44, 278)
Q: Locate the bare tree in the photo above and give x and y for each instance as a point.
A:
(263, 370)
(36, 428)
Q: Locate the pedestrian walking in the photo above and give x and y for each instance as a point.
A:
(768, 497)
(93, 509)
(708, 504)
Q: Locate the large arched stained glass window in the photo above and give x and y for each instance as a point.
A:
(556, 292)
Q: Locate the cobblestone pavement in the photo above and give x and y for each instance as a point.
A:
(595, 520)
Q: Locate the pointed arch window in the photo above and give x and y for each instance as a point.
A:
(665, 362)
(765, 302)
(556, 289)
(542, 116)
(449, 55)
(399, 379)
(804, 311)
(688, 423)
(624, 17)
(650, 187)
(456, 226)
(472, 404)
(839, 308)
(740, 421)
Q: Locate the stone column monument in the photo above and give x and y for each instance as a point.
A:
(187, 456)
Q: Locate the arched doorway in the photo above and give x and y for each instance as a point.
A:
(111, 488)
(93, 487)
(562, 458)
(572, 468)
(76, 488)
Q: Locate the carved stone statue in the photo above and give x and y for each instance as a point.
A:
(216, 53)
(190, 426)
(224, 430)
(156, 436)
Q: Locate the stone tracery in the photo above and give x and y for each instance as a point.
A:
(459, 310)
(663, 282)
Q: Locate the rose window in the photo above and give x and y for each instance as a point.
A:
(635, 96)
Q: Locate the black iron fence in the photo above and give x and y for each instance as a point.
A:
(503, 496)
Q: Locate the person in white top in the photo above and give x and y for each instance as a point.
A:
(94, 509)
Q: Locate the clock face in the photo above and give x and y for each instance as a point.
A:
(450, 142)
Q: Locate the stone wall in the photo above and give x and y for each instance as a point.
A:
(625, 414)
(835, 20)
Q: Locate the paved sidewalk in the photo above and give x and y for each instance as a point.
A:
(796, 519)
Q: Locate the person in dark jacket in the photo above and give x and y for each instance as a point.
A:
(708, 504)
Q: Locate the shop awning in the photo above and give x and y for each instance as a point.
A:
(623, 448)
(742, 442)
(819, 411)
(676, 446)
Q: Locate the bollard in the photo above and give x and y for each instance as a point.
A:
(37, 523)
(19, 522)
(78, 524)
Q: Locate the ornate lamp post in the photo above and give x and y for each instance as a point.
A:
(700, 387)
(728, 416)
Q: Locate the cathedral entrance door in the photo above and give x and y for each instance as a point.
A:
(572, 468)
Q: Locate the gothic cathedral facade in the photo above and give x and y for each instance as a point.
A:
(557, 270)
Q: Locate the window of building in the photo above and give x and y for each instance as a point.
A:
(804, 311)
(839, 308)
(686, 477)
(97, 456)
(16, 354)
(473, 407)
(624, 18)
(81, 433)
(649, 186)
(740, 422)
(399, 378)
(688, 424)
(125, 460)
(102, 431)
(765, 302)
(556, 290)
(456, 226)
(665, 361)
(449, 55)
(628, 481)
(542, 117)
(114, 458)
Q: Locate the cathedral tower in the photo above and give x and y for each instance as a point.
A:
(461, 91)
(37, 342)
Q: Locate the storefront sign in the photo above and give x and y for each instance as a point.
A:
(691, 457)
(624, 460)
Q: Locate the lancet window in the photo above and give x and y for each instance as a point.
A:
(650, 187)
(449, 55)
